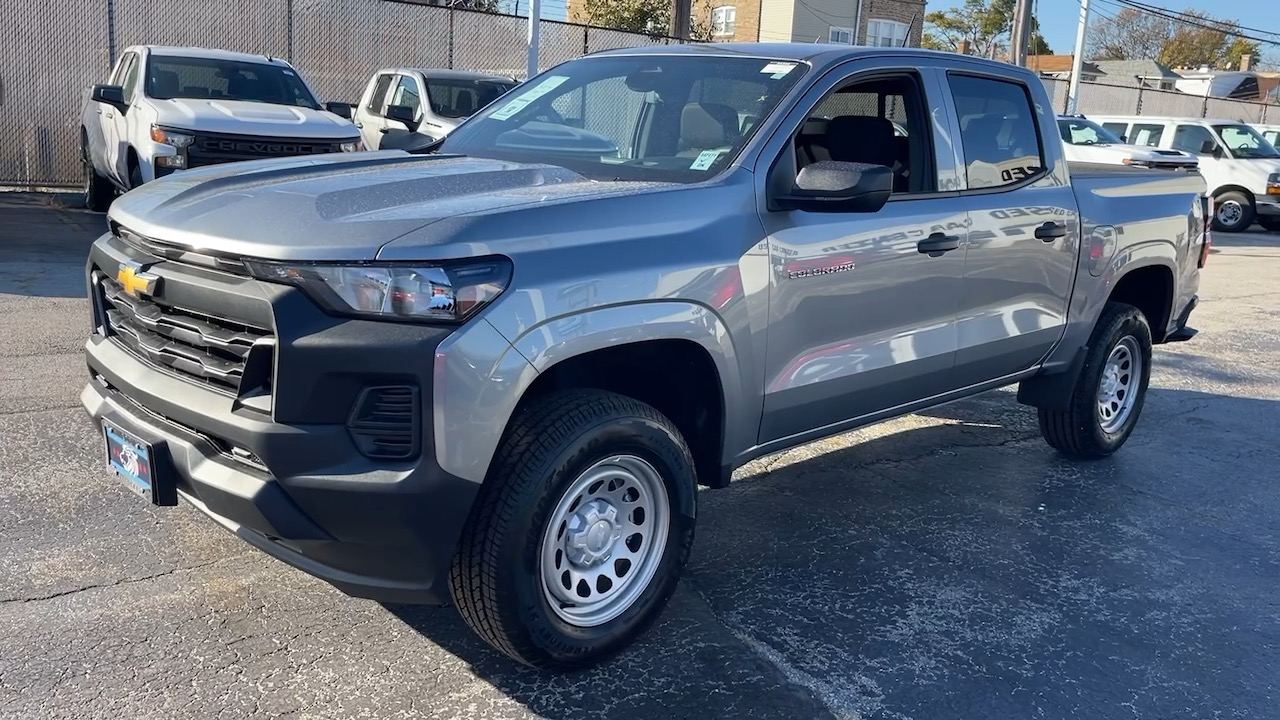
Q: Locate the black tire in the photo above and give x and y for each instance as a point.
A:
(135, 176)
(1238, 222)
(1270, 223)
(496, 579)
(98, 191)
(1078, 430)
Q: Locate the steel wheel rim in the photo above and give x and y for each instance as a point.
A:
(1230, 212)
(595, 532)
(1118, 387)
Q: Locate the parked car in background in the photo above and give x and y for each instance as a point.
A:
(166, 109)
(494, 372)
(392, 114)
(1241, 168)
(1086, 141)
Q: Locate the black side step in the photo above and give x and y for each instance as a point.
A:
(1185, 333)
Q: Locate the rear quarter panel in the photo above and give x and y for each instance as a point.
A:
(1142, 218)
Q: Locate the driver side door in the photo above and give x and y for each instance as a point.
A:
(115, 126)
(370, 117)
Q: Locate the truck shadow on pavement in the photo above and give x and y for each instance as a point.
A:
(952, 557)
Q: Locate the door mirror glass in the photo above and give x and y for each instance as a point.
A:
(1209, 147)
(112, 95)
(832, 186)
(403, 114)
(341, 109)
(1123, 138)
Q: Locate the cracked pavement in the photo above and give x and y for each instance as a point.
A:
(945, 564)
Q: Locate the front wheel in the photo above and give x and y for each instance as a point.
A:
(1233, 212)
(1109, 393)
(580, 532)
(98, 191)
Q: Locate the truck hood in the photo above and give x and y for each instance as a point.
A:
(238, 117)
(343, 206)
(1115, 153)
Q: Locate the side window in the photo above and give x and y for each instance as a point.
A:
(1272, 136)
(130, 83)
(378, 100)
(874, 121)
(998, 131)
(1149, 135)
(1119, 128)
(407, 94)
(1191, 138)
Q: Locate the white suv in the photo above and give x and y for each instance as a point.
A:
(1240, 167)
(167, 109)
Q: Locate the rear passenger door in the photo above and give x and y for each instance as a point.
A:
(370, 117)
(1023, 232)
(862, 306)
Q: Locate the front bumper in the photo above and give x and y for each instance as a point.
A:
(1268, 205)
(289, 478)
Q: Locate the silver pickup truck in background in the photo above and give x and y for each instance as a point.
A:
(494, 373)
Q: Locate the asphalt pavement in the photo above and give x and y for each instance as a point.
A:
(942, 565)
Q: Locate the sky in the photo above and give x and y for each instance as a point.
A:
(1059, 18)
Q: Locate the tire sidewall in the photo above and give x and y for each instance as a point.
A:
(1131, 323)
(639, 436)
(1246, 213)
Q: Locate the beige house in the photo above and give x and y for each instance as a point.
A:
(885, 23)
(852, 22)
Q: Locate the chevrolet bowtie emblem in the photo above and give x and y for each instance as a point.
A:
(136, 282)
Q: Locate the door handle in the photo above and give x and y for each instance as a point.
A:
(1051, 231)
(384, 131)
(360, 125)
(937, 244)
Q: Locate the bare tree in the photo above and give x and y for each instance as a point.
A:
(1129, 35)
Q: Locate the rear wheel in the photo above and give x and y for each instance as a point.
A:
(1109, 393)
(98, 191)
(1270, 223)
(1233, 212)
(580, 532)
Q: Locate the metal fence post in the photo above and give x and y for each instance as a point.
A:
(586, 44)
(111, 32)
(288, 9)
(1204, 105)
(451, 11)
(1138, 109)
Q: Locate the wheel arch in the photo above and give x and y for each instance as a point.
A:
(1150, 287)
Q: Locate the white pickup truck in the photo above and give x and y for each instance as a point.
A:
(167, 109)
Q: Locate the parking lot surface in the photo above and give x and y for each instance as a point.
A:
(943, 565)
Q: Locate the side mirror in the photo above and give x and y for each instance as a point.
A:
(830, 186)
(403, 114)
(1123, 138)
(112, 95)
(341, 109)
(1209, 147)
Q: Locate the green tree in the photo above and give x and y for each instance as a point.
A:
(984, 24)
(650, 17)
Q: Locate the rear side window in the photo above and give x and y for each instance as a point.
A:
(999, 133)
(1191, 138)
(1149, 135)
(1121, 129)
(378, 100)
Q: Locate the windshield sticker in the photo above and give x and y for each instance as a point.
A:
(705, 159)
(777, 69)
(524, 99)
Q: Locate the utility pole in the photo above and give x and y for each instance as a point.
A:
(1020, 38)
(681, 17)
(1077, 60)
(535, 23)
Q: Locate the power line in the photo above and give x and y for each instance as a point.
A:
(1225, 26)
(1225, 29)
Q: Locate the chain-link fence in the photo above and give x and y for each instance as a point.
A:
(54, 51)
(1132, 100)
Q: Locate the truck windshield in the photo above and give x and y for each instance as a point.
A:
(462, 97)
(1077, 131)
(170, 77)
(671, 118)
(1244, 142)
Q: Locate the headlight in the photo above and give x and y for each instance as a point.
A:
(447, 291)
(352, 146)
(1135, 163)
(171, 137)
(1273, 184)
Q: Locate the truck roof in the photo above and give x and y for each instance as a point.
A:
(815, 53)
(444, 74)
(1167, 118)
(205, 53)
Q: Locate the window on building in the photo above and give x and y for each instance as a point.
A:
(841, 35)
(724, 20)
(886, 33)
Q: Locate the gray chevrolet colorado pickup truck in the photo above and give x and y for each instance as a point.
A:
(496, 372)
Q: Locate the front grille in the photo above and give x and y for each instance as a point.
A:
(212, 149)
(214, 351)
